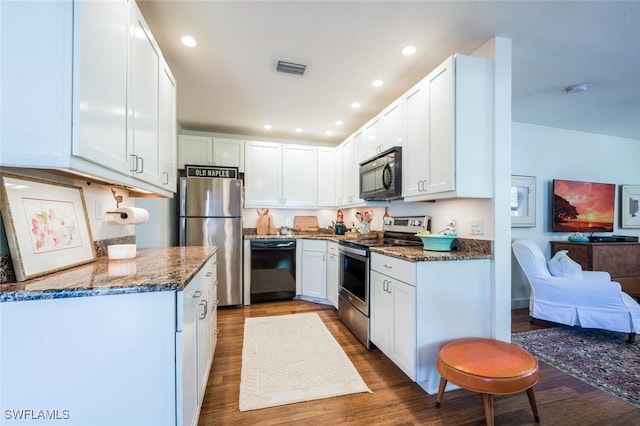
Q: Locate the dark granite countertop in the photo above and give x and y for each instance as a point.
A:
(466, 249)
(153, 269)
(417, 254)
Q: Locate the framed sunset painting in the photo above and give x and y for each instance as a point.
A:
(583, 206)
(46, 224)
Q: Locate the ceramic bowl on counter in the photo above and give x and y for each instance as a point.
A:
(121, 251)
(437, 242)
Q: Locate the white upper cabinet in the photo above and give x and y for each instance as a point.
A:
(339, 175)
(101, 83)
(144, 63)
(369, 144)
(448, 151)
(167, 126)
(263, 181)
(299, 175)
(326, 176)
(82, 107)
(210, 151)
(228, 153)
(392, 126)
(195, 151)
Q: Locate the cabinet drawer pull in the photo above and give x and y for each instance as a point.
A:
(205, 305)
(387, 266)
(196, 294)
(166, 178)
(208, 274)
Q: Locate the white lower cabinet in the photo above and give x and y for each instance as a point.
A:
(333, 273)
(125, 359)
(314, 269)
(193, 341)
(393, 324)
(417, 307)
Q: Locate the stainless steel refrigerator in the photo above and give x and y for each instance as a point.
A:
(211, 215)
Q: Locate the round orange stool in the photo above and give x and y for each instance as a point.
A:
(490, 367)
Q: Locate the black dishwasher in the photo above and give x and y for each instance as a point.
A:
(273, 269)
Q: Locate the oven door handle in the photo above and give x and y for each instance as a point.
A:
(353, 251)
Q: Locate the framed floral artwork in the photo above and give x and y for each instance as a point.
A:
(46, 224)
(629, 206)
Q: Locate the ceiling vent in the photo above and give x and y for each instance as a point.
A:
(290, 67)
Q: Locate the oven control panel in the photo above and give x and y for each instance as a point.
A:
(407, 224)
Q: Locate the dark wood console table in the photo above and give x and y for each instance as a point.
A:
(621, 260)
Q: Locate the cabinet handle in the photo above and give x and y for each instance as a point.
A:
(387, 266)
(324, 258)
(166, 178)
(133, 162)
(196, 294)
(208, 274)
(204, 304)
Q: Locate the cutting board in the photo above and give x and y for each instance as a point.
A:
(306, 224)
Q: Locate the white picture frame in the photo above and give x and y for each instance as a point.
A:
(523, 201)
(630, 206)
(46, 224)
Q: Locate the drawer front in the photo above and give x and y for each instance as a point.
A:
(332, 248)
(396, 268)
(314, 245)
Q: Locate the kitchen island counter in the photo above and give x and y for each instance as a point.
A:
(153, 269)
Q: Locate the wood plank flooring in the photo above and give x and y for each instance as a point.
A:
(396, 400)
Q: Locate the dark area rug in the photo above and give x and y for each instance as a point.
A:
(601, 358)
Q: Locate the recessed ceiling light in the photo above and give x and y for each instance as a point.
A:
(408, 50)
(188, 41)
(267, 126)
(338, 123)
(298, 130)
(355, 105)
(377, 83)
(329, 132)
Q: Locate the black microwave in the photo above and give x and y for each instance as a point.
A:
(381, 176)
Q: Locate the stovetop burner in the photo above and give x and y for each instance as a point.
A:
(400, 231)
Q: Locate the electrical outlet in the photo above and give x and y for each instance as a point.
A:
(288, 222)
(477, 226)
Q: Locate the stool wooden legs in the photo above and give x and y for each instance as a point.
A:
(534, 406)
(487, 400)
(443, 384)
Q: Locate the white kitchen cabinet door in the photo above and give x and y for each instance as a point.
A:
(393, 125)
(404, 326)
(415, 154)
(369, 144)
(100, 85)
(195, 150)
(314, 269)
(263, 175)
(228, 153)
(333, 273)
(167, 127)
(299, 176)
(381, 312)
(144, 63)
(351, 179)
(339, 176)
(187, 361)
(448, 151)
(326, 177)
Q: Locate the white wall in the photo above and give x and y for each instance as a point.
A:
(550, 153)
(95, 194)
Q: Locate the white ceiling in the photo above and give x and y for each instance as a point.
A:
(228, 82)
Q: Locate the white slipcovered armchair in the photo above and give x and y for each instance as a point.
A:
(593, 301)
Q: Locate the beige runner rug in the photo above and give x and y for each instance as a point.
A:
(293, 358)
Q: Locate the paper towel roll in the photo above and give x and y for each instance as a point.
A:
(128, 216)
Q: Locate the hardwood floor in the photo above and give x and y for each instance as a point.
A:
(396, 400)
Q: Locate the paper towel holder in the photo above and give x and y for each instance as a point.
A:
(123, 215)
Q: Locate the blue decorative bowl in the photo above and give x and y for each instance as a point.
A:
(579, 239)
(437, 242)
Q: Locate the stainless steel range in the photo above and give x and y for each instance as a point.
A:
(353, 293)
